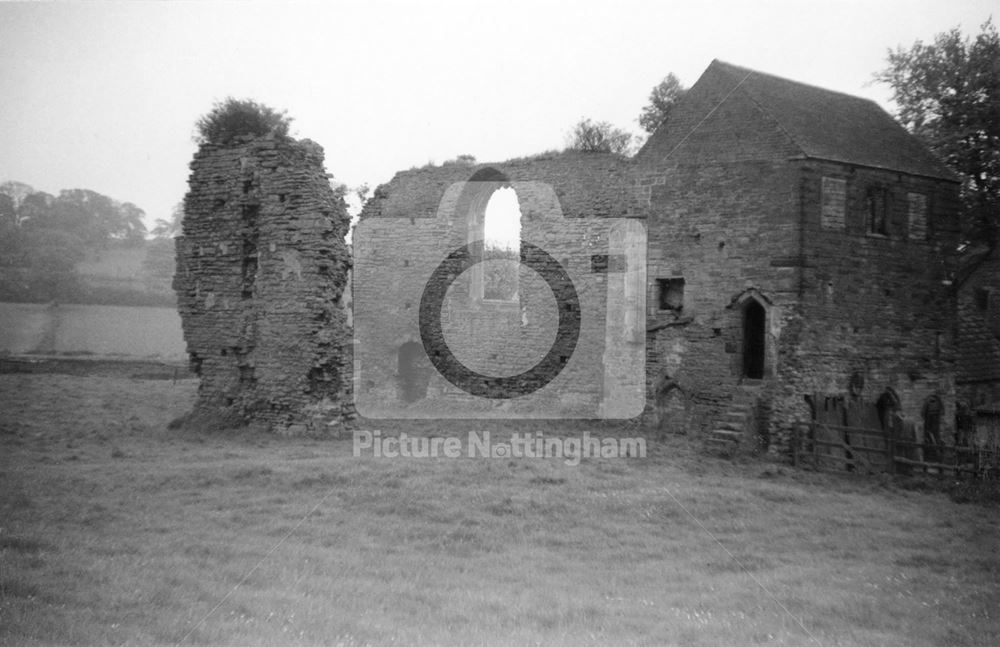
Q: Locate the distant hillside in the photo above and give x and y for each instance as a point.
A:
(81, 247)
(133, 274)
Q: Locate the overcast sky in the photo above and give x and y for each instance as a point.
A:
(104, 96)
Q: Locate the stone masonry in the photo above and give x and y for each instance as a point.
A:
(799, 266)
(415, 220)
(261, 269)
(812, 237)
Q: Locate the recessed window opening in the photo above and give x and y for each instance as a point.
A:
(501, 246)
(754, 340)
(982, 298)
(670, 294)
(877, 202)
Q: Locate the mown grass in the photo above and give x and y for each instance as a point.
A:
(116, 530)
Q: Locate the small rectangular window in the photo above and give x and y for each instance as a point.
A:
(877, 203)
(917, 213)
(833, 200)
(671, 294)
(983, 298)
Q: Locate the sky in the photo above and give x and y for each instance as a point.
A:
(105, 95)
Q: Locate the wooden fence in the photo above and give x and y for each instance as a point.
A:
(868, 451)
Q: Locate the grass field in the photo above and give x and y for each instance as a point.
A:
(115, 530)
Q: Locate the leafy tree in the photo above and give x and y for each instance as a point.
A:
(35, 208)
(172, 227)
(500, 280)
(662, 100)
(362, 191)
(600, 137)
(94, 218)
(160, 260)
(465, 158)
(17, 191)
(948, 94)
(233, 118)
(130, 226)
(8, 211)
(44, 237)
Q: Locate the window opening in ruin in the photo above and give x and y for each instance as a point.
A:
(501, 246)
(983, 298)
(251, 235)
(670, 294)
(754, 319)
(877, 201)
(917, 215)
(412, 373)
(833, 202)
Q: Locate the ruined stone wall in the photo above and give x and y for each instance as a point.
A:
(421, 216)
(979, 333)
(588, 185)
(261, 269)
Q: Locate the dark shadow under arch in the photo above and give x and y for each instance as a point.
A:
(412, 373)
(754, 339)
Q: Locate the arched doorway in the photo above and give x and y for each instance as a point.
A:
(754, 339)
(412, 374)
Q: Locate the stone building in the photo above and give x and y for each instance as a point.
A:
(797, 262)
(978, 343)
(798, 252)
(811, 237)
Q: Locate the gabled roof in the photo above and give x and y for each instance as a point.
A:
(827, 125)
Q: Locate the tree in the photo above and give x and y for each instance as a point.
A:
(600, 137)
(34, 208)
(18, 191)
(948, 95)
(131, 227)
(94, 218)
(234, 118)
(8, 211)
(662, 100)
(172, 227)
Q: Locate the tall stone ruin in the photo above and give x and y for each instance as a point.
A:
(261, 271)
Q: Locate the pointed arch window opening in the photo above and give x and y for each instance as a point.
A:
(754, 339)
(501, 246)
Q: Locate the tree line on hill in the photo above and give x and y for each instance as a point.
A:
(44, 237)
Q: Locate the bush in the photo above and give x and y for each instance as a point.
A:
(600, 137)
(234, 118)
